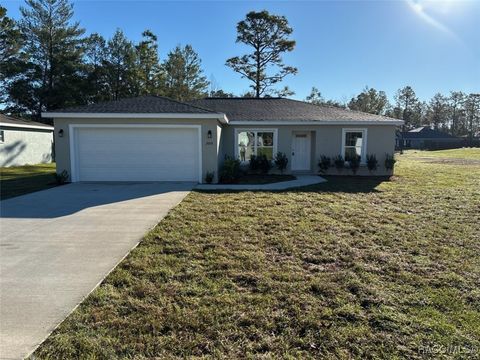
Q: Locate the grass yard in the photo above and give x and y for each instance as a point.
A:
(20, 180)
(464, 153)
(264, 179)
(353, 268)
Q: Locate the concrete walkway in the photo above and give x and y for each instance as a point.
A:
(58, 244)
(301, 180)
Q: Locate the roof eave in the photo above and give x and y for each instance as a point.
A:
(77, 115)
(317, 122)
(25, 126)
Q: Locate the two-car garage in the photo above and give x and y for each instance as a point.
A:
(132, 152)
(144, 138)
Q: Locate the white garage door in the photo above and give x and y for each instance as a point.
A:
(136, 154)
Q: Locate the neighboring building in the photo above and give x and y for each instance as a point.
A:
(153, 138)
(426, 138)
(24, 142)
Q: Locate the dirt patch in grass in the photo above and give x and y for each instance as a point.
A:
(354, 268)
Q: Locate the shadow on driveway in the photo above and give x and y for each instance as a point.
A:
(69, 199)
(58, 244)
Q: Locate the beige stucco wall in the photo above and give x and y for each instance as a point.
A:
(325, 140)
(210, 147)
(26, 146)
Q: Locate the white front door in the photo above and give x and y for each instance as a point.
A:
(300, 151)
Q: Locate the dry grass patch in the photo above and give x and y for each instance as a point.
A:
(353, 268)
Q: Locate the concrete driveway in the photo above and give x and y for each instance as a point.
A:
(57, 245)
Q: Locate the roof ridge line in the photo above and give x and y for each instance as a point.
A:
(341, 108)
(186, 104)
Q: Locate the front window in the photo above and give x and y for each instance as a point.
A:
(354, 144)
(255, 142)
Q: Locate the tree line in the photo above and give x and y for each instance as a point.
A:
(47, 62)
(457, 113)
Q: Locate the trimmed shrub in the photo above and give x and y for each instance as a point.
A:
(264, 164)
(230, 170)
(354, 163)
(281, 161)
(324, 163)
(209, 177)
(339, 162)
(372, 162)
(253, 164)
(62, 178)
(389, 162)
(259, 163)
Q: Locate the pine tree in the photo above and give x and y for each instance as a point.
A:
(11, 41)
(456, 100)
(150, 74)
(472, 115)
(316, 97)
(437, 113)
(120, 67)
(407, 107)
(370, 101)
(95, 87)
(268, 35)
(50, 76)
(184, 79)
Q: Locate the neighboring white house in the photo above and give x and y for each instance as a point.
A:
(24, 142)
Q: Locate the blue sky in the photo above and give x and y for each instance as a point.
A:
(342, 46)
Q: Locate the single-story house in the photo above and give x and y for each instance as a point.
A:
(425, 137)
(153, 138)
(24, 142)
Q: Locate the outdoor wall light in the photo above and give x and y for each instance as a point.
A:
(60, 133)
(209, 134)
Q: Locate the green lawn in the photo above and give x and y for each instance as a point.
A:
(353, 268)
(464, 153)
(264, 179)
(19, 180)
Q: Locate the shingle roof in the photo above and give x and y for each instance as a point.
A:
(281, 109)
(148, 104)
(236, 109)
(13, 121)
(424, 132)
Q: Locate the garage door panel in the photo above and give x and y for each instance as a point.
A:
(137, 154)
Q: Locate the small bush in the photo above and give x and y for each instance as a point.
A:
(230, 170)
(209, 177)
(389, 161)
(259, 163)
(62, 178)
(264, 164)
(253, 164)
(281, 161)
(324, 163)
(339, 162)
(354, 163)
(372, 162)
